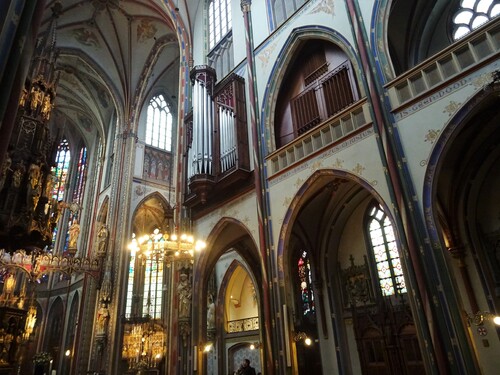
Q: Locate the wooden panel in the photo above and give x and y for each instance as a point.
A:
(337, 91)
(305, 112)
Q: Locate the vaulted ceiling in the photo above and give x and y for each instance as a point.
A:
(113, 54)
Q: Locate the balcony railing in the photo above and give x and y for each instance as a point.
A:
(470, 52)
(243, 325)
(331, 131)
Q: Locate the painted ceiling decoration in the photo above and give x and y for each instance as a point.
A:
(113, 53)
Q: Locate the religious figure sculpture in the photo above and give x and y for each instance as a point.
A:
(74, 231)
(34, 175)
(184, 292)
(17, 176)
(5, 168)
(102, 319)
(211, 313)
(102, 236)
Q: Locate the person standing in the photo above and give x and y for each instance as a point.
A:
(245, 368)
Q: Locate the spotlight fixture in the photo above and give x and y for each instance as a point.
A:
(480, 317)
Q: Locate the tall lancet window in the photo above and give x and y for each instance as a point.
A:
(385, 251)
(130, 287)
(153, 283)
(81, 176)
(159, 124)
(305, 280)
(60, 176)
(60, 171)
(219, 20)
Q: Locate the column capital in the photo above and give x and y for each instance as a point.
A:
(245, 5)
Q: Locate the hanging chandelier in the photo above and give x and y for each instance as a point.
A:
(144, 344)
(165, 247)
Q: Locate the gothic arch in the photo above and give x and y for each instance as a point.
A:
(405, 33)
(228, 234)
(102, 216)
(325, 205)
(289, 49)
(460, 199)
(153, 211)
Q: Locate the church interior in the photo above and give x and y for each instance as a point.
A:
(189, 184)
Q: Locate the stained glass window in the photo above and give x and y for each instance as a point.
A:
(153, 284)
(60, 171)
(385, 251)
(219, 20)
(130, 287)
(60, 176)
(305, 280)
(159, 124)
(472, 14)
(81, 176)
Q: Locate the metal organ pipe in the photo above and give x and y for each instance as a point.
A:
(227, 138)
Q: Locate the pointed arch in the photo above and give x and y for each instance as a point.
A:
(277, 74)
(460, 216)
(228, 234)
(325, 218)
(102, 216)
(153, 211)
(54, 328)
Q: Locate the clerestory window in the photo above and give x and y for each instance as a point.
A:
(283, 9)
(472, 14)
(159, 124)
(219, 21)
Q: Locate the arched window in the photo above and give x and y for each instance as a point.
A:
(153, 284)
(130, 286)
(385, 252)
(81, 176)
(60, 176)
(473, 13)
(283, 9)
(305, 280)
(60, 171)
(219, 20)
(159, 124)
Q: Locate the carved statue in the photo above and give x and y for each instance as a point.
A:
(5, 167)
(47, 106)
(34, 175)
(49, 185)
(36, 98)
(102, 319)
(17, 176)
(102, 236)
(184, 292)
(74, 231)
(211, 313)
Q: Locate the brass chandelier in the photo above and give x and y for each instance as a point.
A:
(165, 247)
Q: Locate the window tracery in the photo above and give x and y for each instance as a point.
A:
(473, 14)
(60, 176)
(159, 124)
(219, 21)
(385, 252)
